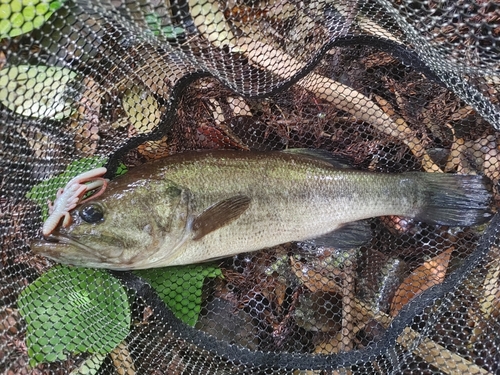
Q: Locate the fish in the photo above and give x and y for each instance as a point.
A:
(203, 205)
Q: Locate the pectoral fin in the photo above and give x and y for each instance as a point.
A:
(219, 215)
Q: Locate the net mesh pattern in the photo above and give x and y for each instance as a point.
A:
(385, 86)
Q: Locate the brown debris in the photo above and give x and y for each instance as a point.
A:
(431, 273)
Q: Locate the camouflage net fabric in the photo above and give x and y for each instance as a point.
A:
(388, 86)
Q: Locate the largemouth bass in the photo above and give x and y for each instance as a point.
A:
(199, 206)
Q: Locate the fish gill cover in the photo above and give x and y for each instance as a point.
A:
(374, 86)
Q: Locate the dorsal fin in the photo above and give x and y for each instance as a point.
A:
(319, 154)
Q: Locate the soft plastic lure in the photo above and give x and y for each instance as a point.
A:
(71, 196)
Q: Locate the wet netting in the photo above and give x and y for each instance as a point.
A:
(176, 261)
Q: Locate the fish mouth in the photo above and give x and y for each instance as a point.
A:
(64, 239)
(62, 247)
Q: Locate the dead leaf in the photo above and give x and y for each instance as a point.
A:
(152, 150)
(314, 279)
(431, 273)
(489, 300)
(217, 138)
(122, 360)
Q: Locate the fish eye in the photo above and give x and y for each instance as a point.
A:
(92, 213)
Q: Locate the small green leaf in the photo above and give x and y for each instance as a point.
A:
(142, 109)
(154, 22)
(46, 190)
(122, 169)
(90, 366)
(38, 91)
(180, 288)
(73, 321)
(19, 17)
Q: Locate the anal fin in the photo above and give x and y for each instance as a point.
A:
(348, 236)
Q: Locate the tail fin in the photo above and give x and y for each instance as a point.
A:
(456, 200)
